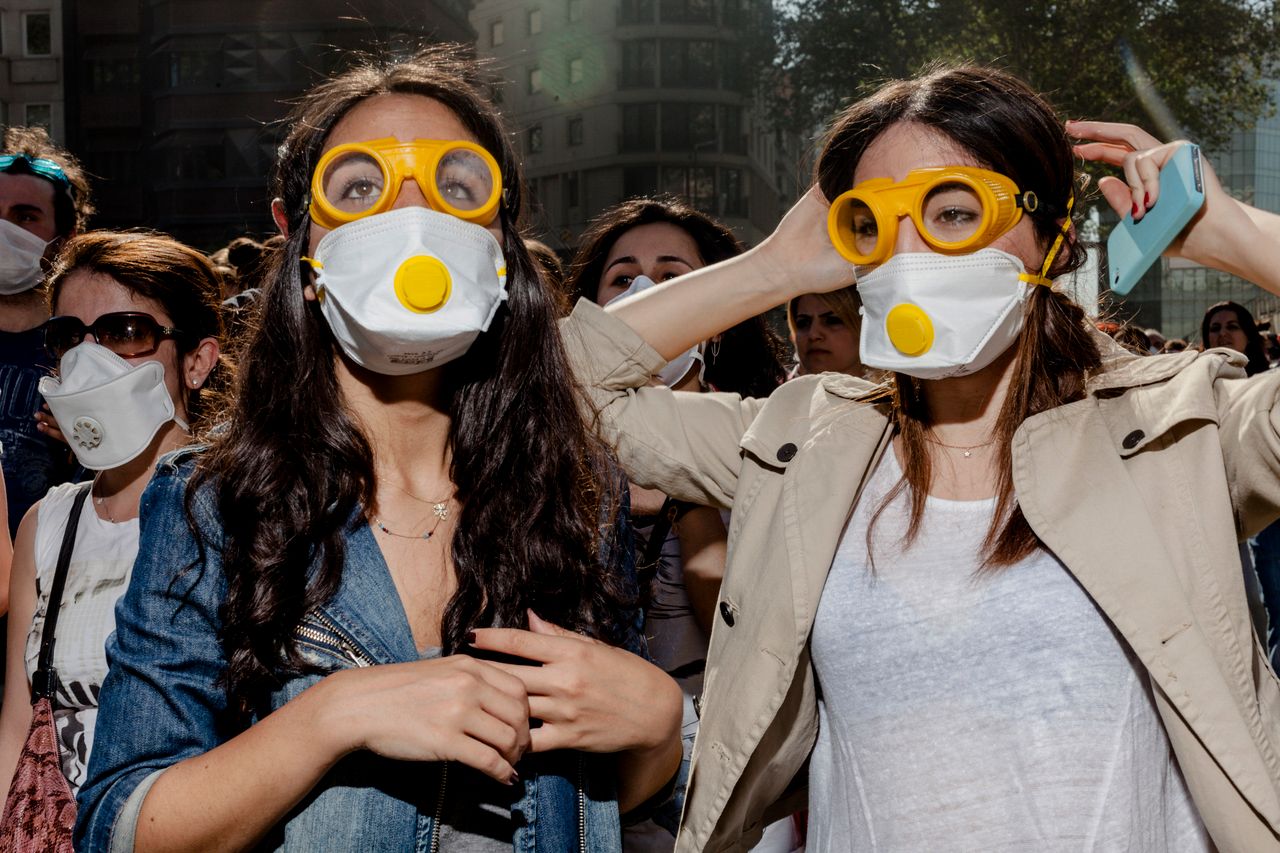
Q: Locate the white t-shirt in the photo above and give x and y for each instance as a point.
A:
(97, 576)
(967, 711)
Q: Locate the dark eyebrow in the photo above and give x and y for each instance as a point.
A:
(666, 259)
(625, 259)
(30, 208)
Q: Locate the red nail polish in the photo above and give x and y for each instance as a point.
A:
(1136, 208)
(1146, 199)
(470, 638)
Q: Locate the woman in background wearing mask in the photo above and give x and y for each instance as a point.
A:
(824, 330)
(680, 548)
(978, 599)
(135, 331)
(405, 485)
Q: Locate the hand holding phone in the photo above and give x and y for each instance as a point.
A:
(1134, 246)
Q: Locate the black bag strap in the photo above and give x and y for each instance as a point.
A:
(45, 679)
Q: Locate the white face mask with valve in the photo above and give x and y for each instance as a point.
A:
(408, 290)
(20, 254)
(934, 316)
(109, 410)
(679, 366)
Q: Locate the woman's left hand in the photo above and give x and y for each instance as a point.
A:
(588, 695)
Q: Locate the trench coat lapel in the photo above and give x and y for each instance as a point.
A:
(1061, 461)
(819, 491)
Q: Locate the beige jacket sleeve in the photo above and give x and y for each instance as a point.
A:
(685, 444)
(1249, 427)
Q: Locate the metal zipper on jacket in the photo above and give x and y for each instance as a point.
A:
(325, 638)
(582, 806)
(435, 824)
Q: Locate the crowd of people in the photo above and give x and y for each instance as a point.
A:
(399, 531)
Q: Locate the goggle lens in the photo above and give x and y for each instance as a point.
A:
(865, 228)
(128, 334)
(952, 212)
(353, 182)
(464, 180)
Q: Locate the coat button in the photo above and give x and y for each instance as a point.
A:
(786, 452)
(726, 613)
(1131, 440)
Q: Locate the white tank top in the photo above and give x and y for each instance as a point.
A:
(97, 576)
(979, 711)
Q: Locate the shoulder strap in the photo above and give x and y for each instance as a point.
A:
(45, 680)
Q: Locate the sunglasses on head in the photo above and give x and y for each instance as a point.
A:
(128, 334)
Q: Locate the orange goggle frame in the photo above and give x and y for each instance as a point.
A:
(398, 161)
(1000, 202)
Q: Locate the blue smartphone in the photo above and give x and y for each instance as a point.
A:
(1134, 246)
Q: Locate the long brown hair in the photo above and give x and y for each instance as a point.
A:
(1009, 129)
(157, 267)
(292, 472)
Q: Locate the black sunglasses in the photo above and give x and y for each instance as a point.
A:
(128, 334)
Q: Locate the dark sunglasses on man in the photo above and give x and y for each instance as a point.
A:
(128, 334)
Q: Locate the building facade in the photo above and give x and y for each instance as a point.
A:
(618, 99)
(31, 68)
(176, 104)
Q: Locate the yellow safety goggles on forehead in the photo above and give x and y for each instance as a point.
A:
(956, 209)
(360, 179)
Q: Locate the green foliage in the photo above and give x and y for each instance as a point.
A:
(1208, 59)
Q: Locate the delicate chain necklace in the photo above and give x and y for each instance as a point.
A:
(100, 503)
(965, 449)
(436, 503)
(440, 510)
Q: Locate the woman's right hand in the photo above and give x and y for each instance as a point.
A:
(800, 253)
(455, 708)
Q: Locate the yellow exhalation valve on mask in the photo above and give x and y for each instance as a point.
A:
(910, 329)
(423, 284)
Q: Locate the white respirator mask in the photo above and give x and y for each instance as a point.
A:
(109, 410)
(20, 254)
(408, 290)
(679, 366)
(934, 316)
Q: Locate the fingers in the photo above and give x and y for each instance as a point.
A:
(543, 648)
(1117, 194)
(46, 425)
(486, 759)
(498, 727)
(1129, 135)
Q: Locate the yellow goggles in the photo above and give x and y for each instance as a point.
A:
(363, 178)
(956, 209)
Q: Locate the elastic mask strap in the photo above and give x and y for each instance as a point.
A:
(1043, 278)
(317, 266)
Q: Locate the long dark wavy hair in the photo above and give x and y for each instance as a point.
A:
(292, 472)
(1255, 348)
(748, 359)
(1009, 129)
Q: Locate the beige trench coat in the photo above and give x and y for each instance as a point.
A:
(1143, 490)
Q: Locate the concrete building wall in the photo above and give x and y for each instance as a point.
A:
(31, 70)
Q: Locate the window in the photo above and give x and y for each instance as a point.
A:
(37, 34)
(688, 11)
(39, 114)
(535, 81)
(573, 131)
(497, 33)
(639, 63)
(732, 137)
(689, 127)
(639, 181)
(689, 63)
(111, 75)
(575, 70)
(535, 21)
(733, 201)
(697, 185)
(636, 12)
(572, 190)
(534, 141)
(575, 10)
(639, 127)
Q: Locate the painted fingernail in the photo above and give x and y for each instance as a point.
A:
(470, 638)
(1146, 199)
(1136, 209)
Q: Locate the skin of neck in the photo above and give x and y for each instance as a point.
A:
(964, 409)
(124, 484)
(406, 420)
(21, 312)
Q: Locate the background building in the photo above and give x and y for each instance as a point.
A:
(618, 99)
(31, 74)
(174, 104)
(1175, 294)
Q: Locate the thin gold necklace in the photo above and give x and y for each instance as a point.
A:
(440, 510)
(965, 449)
(100, 503)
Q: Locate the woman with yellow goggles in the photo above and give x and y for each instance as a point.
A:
(360, 179)
(956, 209)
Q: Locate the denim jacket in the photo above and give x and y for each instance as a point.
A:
(162, 702)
